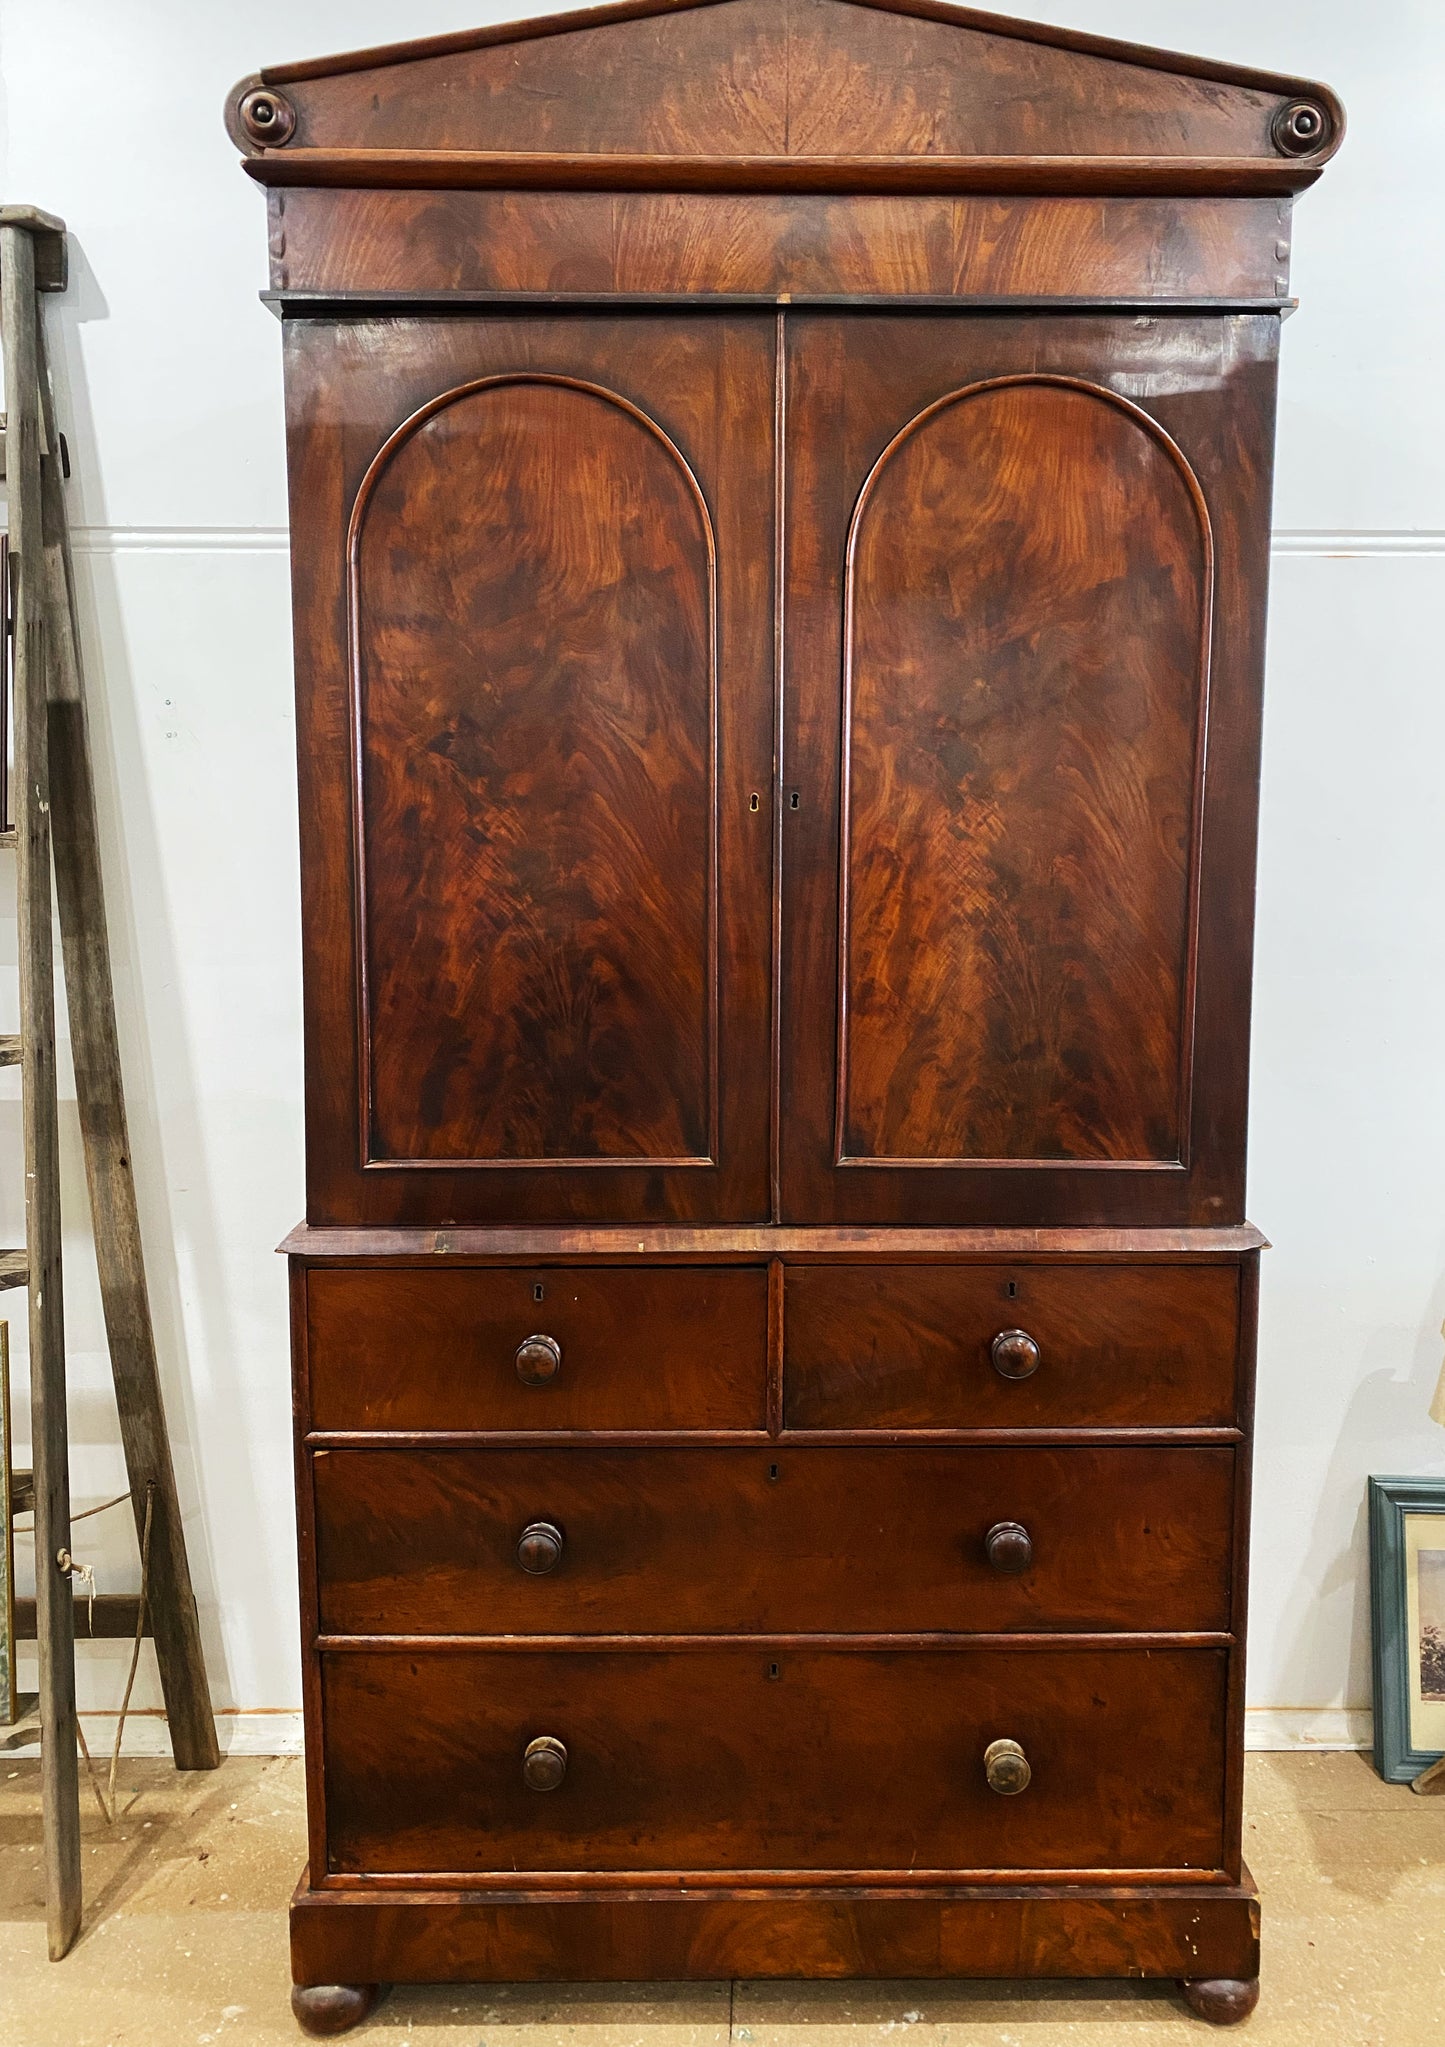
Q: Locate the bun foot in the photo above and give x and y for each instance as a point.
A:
(326, 2008)
(1223, 2000)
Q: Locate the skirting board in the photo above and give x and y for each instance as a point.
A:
(278, 1733)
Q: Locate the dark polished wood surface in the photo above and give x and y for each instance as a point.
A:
(640, 1348)
(800, 1245)
(543, 977)
(708, 91)
(982, 1931)
(370, 242)
(1016, 923)
(793, 1760)
(780, 499)
(1046, 891)
(772, 1540)
(874, 1346)
(540, 966)
(1142, 1059)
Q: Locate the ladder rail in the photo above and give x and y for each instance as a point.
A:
(52, 814)
(55, 1611)
(100, 1095)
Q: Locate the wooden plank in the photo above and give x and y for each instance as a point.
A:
(114, 1619)
(462, 170)
(47, 239)
(55, 1609)
(115, 1217)
(751, 1242)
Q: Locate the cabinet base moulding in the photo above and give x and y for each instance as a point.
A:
(1192, 1934)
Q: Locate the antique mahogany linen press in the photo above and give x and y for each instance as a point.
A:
(781, 501)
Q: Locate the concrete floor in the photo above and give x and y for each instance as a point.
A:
(185, 1939)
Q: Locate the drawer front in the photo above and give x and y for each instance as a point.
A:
(745, 1759)
(879, 1346)
(773, 1540)
(682, 1347)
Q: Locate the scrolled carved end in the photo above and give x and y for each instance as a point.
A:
(1301, 127)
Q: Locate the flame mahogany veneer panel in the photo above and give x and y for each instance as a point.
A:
(706, 1760)
(898, 1347)
(1024, 559)
(418, 242)
(782, 78)
(774, 1540)
(984, 1930)
(1028, 593)
(533, 583)
(534, 628)
(642, 1347)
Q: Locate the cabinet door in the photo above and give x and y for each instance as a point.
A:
(1025, 567)
(534, 584)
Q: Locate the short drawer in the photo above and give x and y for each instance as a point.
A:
(679, 1347)
(773, 1540)
(937, 1346)
(751, 1759)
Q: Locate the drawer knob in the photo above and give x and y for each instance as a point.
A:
(1015, 1354)
(1009, 1546)
(1007, 1768)
(544, 1763)
(539, 1547)
(538, 1360)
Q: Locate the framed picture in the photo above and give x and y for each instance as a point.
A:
(1407, 1603)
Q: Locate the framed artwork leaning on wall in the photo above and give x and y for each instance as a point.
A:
(1407, 1616)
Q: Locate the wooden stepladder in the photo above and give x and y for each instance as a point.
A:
(53, 813)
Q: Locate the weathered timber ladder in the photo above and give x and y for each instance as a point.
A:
(54, 811)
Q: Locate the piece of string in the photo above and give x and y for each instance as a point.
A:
(105, 1812)
(104, 1508)
(86, 1574)
(135, 1647)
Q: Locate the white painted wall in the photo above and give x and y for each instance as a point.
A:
(172, 391)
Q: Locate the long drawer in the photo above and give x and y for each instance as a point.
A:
(753, 1759)
(1026, 1346)
(775, 1539)
(638, 1347)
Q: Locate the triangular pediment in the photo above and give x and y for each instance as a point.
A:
(790, 82)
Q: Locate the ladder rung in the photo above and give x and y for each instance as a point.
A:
(113, 1621)
(14, 1269)
(9, 1050)
(22, 1493)
(8, 838)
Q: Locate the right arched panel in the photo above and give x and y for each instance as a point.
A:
(1028, 597)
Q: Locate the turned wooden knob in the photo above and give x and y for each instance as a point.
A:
(1014, 1353)
(1009, 1547)
(1007, 1768)
(544, 1764)
(538, 1360)
(539, 1547)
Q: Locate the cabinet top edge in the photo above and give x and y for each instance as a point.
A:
(753, 1243)
(846, 176)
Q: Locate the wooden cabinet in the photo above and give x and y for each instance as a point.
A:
(780, 512)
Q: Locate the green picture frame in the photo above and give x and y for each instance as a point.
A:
(1407, 1623)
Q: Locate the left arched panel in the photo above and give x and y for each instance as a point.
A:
(533, 644)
